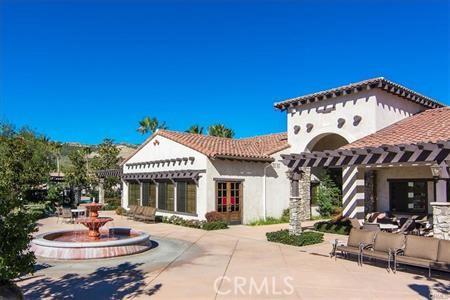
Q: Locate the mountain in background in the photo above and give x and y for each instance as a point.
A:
(126, 150)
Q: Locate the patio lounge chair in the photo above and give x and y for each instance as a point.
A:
(148, 215)
(406, 225)
(383, 246)
(357, 241)
(419, 251)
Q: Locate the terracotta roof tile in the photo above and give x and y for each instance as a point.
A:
(432, 125)
(258, 147)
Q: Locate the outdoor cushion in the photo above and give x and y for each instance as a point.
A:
(358, 236)
(385, 241)
(444, 251)
(414, 261)
(421, 247)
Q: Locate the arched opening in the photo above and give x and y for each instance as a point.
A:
(327, 141)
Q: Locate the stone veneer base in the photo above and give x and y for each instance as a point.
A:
(92, 250)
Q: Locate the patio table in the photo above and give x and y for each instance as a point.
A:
(77, 212)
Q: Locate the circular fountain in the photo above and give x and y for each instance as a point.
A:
(91, 243)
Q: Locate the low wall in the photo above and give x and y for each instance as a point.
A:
(441, 220)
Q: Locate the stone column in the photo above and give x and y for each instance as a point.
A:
(295, 205)
(370, 186)
(305, 194)
(441, 220)
(101, 191)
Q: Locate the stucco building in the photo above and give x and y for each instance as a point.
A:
(387, 140)
(191, 174)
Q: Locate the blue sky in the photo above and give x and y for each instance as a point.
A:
(85, 70)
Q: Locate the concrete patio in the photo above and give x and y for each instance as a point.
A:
(238, 262)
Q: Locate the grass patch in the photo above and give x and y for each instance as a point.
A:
(268, 221)
(337, 227)
(271, 220)
(303, 239)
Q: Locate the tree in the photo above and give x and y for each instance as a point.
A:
(220, 131)
(328, 195)
(77, 174)
(25, 162)
(148, 124)
(197, 129)
(107, 158)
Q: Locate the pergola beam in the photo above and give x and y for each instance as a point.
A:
(382, 155)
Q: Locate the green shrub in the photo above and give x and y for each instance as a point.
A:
(16, 228)
(286, 215)
(120, 211)
(176, 220)
(213, 216)
(111, 204)
(39, 210)
(337, 227)
(303, 239)
(327, 196)
(215, 225)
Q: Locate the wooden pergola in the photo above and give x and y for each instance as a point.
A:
(384, 155)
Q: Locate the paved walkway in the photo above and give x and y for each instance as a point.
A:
(237, 263)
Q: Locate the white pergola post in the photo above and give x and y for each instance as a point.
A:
(353, 192)
(124, 194)
(101, 191)
(441, 185)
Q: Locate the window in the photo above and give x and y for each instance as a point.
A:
(165, 196)
(186, 197)
(149, 194)
(409, 196)
(134, 191)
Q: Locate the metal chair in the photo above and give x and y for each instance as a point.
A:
(67, 215)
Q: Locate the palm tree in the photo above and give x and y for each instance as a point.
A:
(197, 129)
(149, 124)
(220, 131)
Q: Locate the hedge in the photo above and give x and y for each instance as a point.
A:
(337, 227)
(303, 239)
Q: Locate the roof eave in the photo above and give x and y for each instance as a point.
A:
(380, 83)
(256, 159)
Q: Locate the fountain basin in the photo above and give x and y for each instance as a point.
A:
(75, 244)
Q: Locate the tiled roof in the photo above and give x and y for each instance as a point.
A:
(429, 126)
(379, 82)
(253, 148)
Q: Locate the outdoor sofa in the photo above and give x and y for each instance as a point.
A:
(148, 214)
(419, 251)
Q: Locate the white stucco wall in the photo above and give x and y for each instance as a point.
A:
(252, 174)
(168, 149)
(383, 174)
(377, 108)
